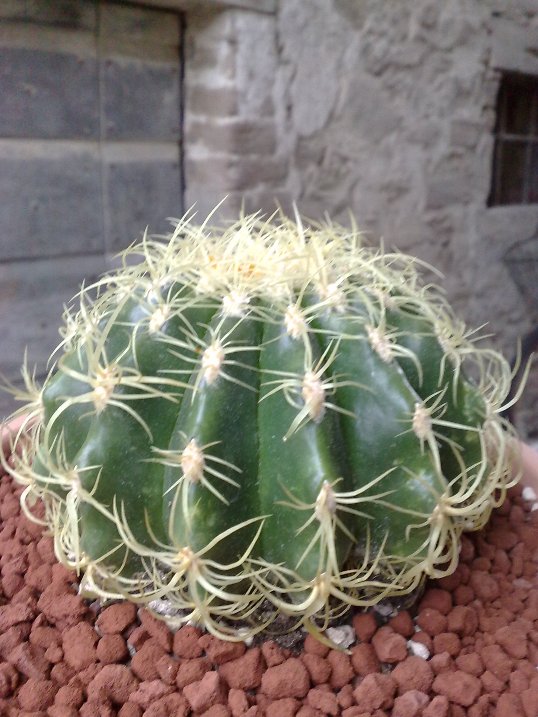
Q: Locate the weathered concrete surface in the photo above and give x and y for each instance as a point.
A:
(90, 153)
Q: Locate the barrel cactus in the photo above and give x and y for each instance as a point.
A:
(262, 419)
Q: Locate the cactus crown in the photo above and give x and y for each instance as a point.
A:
(265, 414)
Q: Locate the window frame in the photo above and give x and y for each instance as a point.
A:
(529, 139)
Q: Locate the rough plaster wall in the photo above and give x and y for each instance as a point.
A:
(389, 113)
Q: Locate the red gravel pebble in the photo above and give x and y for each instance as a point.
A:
(206, 692)
(341, 669)
(497, 661)
(116, 618)
(112, 648)
(219, 651)
(459, 687)
(364, 659)
(485, 587)
(315, 646)
(447, 642)
(237, 702)
(389, 645)
(509, 705)
(185, 643)
(438, 707)
(59, 659)
(114, 682)
(167, 668)
(462, 620)
(365, 626)
(513, 640)
(432, 621)
(289, 679)
(318, 667)
(70, 695)
(190, 671)
(79, 645)
(403, 624)
(36, 695)
(413, 673)
(437, 599)
(375, 692)
(9, 679)
(245, 673)
(272, 653)
(529, 700)
(471, 663)
(410, 704)
(286, 707)
(324, 701)
(157, 629)
(144, 662)
(442, 663)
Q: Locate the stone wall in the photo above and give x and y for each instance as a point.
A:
(382, 109)
(397, 126)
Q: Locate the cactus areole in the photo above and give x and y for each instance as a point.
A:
(261, 419)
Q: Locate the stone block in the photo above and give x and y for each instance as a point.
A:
(229, 173)
(503, 226)
(234, 136)
(371, 111)
(466, 133)
(210, 172)
(138, 194)
(141, 99)
(211, 57)
(79, 14)
(204, 199)
(267, 202)
(254, 169)
(514, 47)
(452, 182)
(32, 297)
(257, 65)
(51, 199)
(210, 27)
(210, 101)
(143, 24)
(51, 95)
(260, 6)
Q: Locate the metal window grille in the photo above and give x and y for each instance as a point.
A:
(515, 160)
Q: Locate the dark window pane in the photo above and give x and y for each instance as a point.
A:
(517, 100)
(515, 162)
(510, 166)
(533, 176)
(534, 111)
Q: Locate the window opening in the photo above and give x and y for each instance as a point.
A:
(515, 159)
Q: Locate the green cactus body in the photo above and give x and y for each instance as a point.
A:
(264, 413)
(297, 470)
(381, 441)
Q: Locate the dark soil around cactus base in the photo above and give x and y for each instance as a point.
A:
(470, 648)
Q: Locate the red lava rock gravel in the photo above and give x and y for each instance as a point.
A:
(469, 648)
